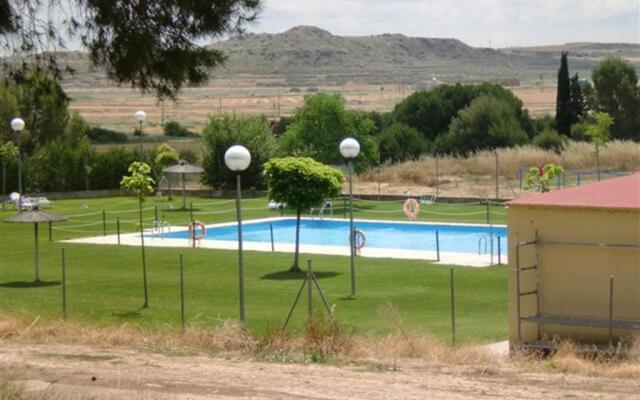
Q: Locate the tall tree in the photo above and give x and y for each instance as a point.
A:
(563, 98)
(148, 44)
(222, 133)
(617, 94)
(578, 102)
(321, 124)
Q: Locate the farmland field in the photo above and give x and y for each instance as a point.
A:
(114, 107)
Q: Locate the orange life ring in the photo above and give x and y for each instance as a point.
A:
(358, 239)
(193, 232)
(411, 208)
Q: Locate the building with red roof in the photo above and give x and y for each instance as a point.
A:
(574, 264)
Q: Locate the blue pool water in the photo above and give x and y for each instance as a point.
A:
(379, 234)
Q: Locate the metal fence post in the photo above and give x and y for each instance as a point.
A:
(487, 205)
(118, 229)
(50, 231)
(181, 292)
(104, 223)
(499, 250)
(271, 233)
(155, 212)
(437, 245)
(309, 293)
(64, 284)
(191, 210)
(497, 177)
(520, 178)
(610, 310)
(453, 308)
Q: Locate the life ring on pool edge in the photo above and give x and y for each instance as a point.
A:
(411, 208)
(359, 239)
(193, 232)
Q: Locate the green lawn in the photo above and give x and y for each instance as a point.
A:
(104, 284)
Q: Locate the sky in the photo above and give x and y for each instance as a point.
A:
(484, 23)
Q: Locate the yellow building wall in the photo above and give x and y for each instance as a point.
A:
(573, 281)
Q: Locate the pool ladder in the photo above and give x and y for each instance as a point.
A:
(483, 240)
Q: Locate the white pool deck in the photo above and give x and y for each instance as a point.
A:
(446, 258)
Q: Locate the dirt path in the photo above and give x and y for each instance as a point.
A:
(87, 372)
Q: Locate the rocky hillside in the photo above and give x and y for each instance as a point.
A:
(308, 56)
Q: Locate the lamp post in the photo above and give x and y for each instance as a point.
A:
(237, 158)
(350, 148)
(17, 124)
(140, 116)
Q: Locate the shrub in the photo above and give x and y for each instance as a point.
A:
(58, 167)
(220, 134)
(319, 127)
(109, 168)
(174, 129)
(487, 123)
(400, 142)
(432, 112)
(549, 140)
(102, 135)
(579, 131)
(189, 156)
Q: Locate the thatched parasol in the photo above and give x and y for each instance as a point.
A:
(35, 217)
(183, 168)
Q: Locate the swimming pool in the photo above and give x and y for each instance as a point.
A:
(415, 236)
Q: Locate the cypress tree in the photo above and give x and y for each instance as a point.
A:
(578, 103)
(563, 99)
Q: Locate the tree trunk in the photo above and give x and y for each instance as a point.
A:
(296, 263)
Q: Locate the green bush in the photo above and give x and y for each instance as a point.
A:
(400, 142)
(189, 156)
(109, 168)
(57, 167)
(487, 123)
(174, 129)
(103, 136)
(579, 131)
(221, 133)
(319, 127)
(549, 140)
(432, 112)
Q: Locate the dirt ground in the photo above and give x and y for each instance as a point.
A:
(114, 107)
(78, 372)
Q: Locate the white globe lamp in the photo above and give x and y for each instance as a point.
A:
(349, 148)
(237, 158)
(17, 124)
(140, 116)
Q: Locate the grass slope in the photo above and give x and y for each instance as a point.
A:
(105, 282)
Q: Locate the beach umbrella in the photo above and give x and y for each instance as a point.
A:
(35, 217)
(183, 168)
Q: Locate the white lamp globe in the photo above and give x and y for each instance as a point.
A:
(17, 124)
(140, 116)
(237, 158)
(349, 148)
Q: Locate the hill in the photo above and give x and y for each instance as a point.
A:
(307, 55)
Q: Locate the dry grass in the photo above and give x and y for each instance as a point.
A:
(617, 156)
(323, 342)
